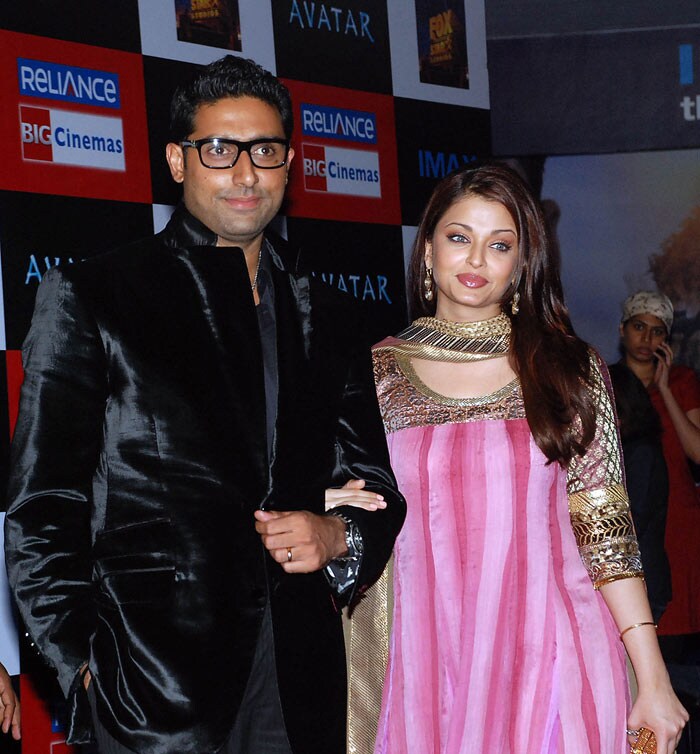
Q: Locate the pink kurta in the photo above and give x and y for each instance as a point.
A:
(499, 643)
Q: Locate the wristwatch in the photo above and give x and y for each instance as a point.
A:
(353, 538)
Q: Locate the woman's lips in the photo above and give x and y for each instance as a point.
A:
(471, 281)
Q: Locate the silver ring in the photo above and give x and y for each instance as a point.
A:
(289, 555)
(631, 732)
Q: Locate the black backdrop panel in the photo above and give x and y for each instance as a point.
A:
(433, 141)
(161, 77)
(361, 260)
(104, 23)
(344, 43)
(62, 229)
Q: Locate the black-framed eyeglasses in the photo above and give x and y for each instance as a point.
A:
(219, 153)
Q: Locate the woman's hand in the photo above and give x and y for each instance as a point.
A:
(659, 710)
(664, 359)
(352, 493)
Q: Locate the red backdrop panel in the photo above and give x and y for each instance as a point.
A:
(73, 120)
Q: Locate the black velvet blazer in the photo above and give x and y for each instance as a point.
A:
(139, 456)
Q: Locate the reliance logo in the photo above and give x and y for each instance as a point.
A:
(336, 123)
(71, 138)
(66, 83)
(341, 171)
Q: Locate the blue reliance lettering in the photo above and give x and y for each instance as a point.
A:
(335, 123)
(68, 83)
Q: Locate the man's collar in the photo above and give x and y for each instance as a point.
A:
(184, 230)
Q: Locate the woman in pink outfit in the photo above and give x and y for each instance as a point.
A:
(517, 569)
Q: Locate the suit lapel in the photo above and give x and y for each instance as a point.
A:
(294, 342)
(222, 287)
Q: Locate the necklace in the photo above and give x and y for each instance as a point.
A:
(439, 340)
(254, 284)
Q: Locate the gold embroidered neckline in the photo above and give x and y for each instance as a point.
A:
(439, 340)
(404, 362)
(484, 328)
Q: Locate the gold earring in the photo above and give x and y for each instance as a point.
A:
(515, 303)
(428, 284)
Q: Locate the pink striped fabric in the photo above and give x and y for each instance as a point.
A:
(499, 643)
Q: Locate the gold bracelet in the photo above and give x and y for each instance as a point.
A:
(637, 625)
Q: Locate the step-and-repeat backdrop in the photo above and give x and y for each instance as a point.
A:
(389, 96)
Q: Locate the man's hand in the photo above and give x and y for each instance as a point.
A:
(9, 705)
(300, 541)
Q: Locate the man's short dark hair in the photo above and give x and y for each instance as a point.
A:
(229, 76)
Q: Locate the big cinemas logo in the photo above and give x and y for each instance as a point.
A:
(74, 119)
(346, 155)
(72, 138)
(339, 170)
(65, 136)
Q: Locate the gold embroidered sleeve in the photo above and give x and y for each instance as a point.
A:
(598, 502)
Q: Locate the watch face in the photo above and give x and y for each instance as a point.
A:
(356, 538)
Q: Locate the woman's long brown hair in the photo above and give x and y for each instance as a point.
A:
(552, 363)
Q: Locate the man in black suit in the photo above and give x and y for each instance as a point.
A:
(187, 401)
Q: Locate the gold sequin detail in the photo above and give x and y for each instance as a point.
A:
(403, 403)
(440, 340)
(598, 502)
(601, 466)
(406, 367)
(367, 648)
(604, 533)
